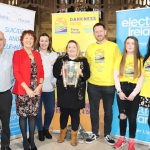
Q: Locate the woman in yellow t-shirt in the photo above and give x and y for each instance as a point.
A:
(145, 91)
(128, 78)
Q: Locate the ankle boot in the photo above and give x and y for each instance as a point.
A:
(62, 135)
(74, 137)
(47, 134)
(41, 135)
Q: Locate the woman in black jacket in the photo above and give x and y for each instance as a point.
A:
(71, 99)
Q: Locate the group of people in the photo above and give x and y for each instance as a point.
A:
(37, 73)
(34, 85)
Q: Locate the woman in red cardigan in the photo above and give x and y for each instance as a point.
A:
(29, 74)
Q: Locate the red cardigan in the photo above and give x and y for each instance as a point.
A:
(22, 69)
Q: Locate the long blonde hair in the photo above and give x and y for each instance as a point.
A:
(137, 58)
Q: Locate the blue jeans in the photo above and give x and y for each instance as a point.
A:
(48, 99)
(95, 93)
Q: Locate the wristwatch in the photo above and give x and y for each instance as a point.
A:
(119, 92)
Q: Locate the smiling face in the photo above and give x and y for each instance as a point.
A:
(72, 49)
(44, 42)
(99, 33)
(2, 41)
(130, 46)
(28, 41)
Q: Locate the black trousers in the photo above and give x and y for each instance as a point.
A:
(75, 118)
(129, 108)
(95, 93)
(5, 109)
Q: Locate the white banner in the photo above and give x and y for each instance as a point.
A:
(13, 20)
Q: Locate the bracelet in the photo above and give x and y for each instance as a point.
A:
(119, 92)
(41, 84)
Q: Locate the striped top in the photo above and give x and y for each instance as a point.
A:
(6, 72)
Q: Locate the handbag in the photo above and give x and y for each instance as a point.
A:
(144, 102)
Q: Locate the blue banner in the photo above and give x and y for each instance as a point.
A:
(135, 22)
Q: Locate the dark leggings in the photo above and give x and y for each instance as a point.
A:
(23, 127)
(129, 108)
(75, 118)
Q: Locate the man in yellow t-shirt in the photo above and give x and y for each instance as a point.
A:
(101, 56)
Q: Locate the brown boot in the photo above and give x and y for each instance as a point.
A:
(74, 137)
(62, 135)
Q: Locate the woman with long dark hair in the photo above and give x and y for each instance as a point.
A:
(48, 56)
(128, 78)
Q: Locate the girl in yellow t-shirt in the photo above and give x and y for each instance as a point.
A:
(128, 78)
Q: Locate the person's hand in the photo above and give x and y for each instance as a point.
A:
(30, 93)
(131, 97)
(122, 96)
(38, 89)
(61, 73)
(53, 85)
(80, 73)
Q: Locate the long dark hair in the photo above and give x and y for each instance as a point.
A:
(148, 51)
(137, 57)
(49, 49)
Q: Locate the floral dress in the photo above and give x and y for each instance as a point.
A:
(26, 106)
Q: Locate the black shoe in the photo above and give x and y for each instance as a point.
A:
(26, 145)
(109, 140)
(35, 148)
(47, 134)
(5, 148)
(92, 138)
(41, 135)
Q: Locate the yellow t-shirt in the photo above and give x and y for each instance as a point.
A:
(101, 58)
(145, 91)
(128, 75)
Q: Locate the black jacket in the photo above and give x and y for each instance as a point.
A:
(71, 97)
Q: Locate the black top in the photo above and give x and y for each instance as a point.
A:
(71, 97)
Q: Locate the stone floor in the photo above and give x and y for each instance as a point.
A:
(53, 145)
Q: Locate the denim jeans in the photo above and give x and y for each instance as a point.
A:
(129, 108)
(48, 99)
(95, 93)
